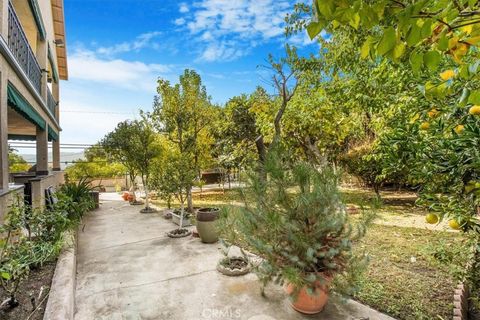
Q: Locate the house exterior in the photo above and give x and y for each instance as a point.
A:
(32, 63)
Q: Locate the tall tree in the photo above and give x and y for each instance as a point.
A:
(439, 40)
(133, 143)
(182, 111)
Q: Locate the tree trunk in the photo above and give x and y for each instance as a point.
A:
(145, 187)
(262, 156)
(229, 182)
(189, 199)
(261, 149)
(182, 209)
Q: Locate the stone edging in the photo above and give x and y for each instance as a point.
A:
(461, 293)
(61, 300)
(460, 302)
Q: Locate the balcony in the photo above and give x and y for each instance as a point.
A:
(21, 50)
(51, 103)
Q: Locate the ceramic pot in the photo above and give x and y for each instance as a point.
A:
(206, 224)
(307, 303)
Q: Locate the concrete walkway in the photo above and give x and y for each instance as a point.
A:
(127, 268)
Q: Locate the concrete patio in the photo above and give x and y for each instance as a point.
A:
(127, 268)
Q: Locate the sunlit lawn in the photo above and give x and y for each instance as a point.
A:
(412, 270)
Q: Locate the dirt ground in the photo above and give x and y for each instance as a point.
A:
(30, 289)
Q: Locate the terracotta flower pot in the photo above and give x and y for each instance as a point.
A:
(306, 303)
(206, 224)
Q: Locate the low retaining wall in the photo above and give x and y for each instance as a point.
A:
(41, 183)
(460, 302)
(7, 198)
(461, 293)
(61, 300)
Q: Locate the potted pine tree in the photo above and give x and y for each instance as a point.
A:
(295, 220)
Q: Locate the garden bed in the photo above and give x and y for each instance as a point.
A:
(393, 284)
(30, 287)
(412, 272)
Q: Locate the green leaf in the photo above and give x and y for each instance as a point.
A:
(416, 61)
(388, 41)
(365, 50)
(355, 21)
(464, 97)
(414, 35)
(474, 97)
(426, 30)
(442, 43)
(326, 7)
(310, 253)
(6, 275)
(432, 59)
(398, 50)
(314, 28)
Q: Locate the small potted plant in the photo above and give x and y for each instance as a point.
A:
(294, 219)
(177, 217)
(206, 224)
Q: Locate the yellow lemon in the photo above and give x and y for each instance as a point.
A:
(447, 74)
(433, 113)
(431, 218)
(459, 129)
(474, 111)
(425, 126)
(454, 224)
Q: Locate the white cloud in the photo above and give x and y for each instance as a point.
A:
(184, 8)
(142, 41)
(229, 29)
(180, 21)
(225, 51)
(134, 75)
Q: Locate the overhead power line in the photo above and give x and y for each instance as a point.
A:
(98, 112)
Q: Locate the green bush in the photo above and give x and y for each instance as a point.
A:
(34, 237)
(294, 218)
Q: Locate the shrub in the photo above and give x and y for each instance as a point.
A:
(295, 220)
(75, 199)
(21, 251)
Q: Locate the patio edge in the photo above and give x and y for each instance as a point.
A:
(61, 300)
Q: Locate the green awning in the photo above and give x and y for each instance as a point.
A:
(53, 65)
(21, 105)
(38, 18)
(21, 137)
(52, 135)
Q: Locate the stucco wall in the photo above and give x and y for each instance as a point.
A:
(39, 185)
(6, 199)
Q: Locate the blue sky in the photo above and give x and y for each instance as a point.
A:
(118, 48)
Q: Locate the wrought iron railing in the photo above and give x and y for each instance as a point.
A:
(51, 103)
(19, 46)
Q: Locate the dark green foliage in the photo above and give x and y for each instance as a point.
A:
(75, 199)
(34, 237)
(296, 221)
(362, 163)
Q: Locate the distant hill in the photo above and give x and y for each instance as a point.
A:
(67, 157)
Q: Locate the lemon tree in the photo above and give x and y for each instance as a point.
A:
(438, 40)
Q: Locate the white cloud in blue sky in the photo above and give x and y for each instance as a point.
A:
(227, 30)
(118, 50)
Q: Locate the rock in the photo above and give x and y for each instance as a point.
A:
(195, 233)
(235, 252)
